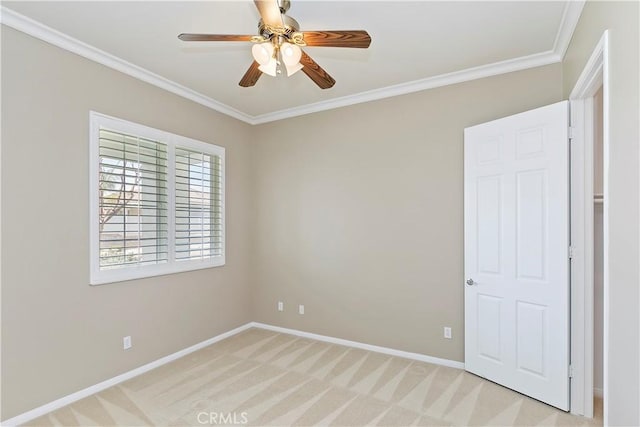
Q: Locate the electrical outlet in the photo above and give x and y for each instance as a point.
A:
(447, 332)
(280, 306)
(126, 343)
(301, 309)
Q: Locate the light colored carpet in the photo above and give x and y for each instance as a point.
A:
(261, 377)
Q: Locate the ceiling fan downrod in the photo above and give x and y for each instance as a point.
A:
(284, 5)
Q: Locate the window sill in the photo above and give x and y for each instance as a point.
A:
(103, 277)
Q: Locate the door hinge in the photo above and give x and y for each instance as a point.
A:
(570, 371)
(572, 252)
(571, 128)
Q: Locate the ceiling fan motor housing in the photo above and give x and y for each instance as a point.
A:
(289, 27)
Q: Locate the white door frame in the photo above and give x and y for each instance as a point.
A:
(594, 75)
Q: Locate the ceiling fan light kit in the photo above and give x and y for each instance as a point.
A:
(271, 54)
(279, 42)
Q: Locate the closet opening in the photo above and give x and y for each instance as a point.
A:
(598, 253)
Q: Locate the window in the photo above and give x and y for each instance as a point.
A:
(157, 202)
(198, 208)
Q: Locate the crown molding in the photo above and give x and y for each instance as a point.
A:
(47, 34)
(568, 23)
(570, 17)
(508, 66)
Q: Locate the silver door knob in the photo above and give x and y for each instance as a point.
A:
(470, 282)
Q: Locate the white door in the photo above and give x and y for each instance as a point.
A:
(516, 217)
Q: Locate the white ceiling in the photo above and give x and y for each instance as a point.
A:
(411, 40)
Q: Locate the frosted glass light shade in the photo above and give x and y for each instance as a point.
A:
(291, 53)
(270, 67)
(262, 52)
(292, 69)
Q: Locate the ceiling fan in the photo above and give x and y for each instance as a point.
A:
(279, 40)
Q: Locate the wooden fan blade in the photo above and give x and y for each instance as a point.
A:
(251, 76)
(213, 38)
(316, 73)
(269, 12)
(357, 38)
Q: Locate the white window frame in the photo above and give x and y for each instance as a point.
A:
(99, 277)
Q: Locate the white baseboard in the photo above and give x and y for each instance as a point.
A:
(355, 344)
(66, 400)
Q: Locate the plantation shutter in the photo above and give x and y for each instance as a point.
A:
(132, 201)
(198, 226)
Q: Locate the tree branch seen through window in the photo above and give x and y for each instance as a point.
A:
(115, 192)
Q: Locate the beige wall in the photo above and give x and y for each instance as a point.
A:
(360, 212)
(59, 334)
(621, 18)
